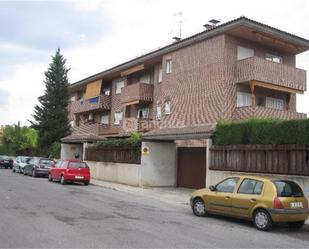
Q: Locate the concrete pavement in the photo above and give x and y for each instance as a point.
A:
(35, 213)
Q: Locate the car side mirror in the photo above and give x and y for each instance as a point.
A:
(212, 188)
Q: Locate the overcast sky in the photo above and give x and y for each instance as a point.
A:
(95, 35)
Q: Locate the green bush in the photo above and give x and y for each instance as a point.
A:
(133, 140)
(262, 131)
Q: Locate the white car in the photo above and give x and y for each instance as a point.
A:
(20, 163)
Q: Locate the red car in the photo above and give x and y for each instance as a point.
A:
(70, 171)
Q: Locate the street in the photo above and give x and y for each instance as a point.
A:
(35, 213)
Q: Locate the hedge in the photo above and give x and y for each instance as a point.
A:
(133, 140)
(262, 131)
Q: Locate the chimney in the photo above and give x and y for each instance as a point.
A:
(211, 24)
(176, 39)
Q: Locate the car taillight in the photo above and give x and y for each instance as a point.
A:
(277, 203)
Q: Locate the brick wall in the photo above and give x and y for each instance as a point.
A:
(201, 87)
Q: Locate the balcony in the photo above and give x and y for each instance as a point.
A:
(259, 69)
(88, 128)
(108, 130)
(81, 106)
(137, 124)
(247, 112)
(137, 93)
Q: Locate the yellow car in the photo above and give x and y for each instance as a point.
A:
(261, 199)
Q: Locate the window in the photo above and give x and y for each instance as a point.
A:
(119, 86)
(244, 53)
(250, 187)
(160, 75)
(105, 119)
(159, 113)
(47, 162)
(73, 98)
(143, 113)
(227, 185)
(273, 58)
(244, 99)
(72, 123)
(106, 91)
(288, 189)
(78, 165)
(59, 164)
(145, 79)
(169, 66)
(118, 117)
(91, 116)
(167, 107)
(274, 103)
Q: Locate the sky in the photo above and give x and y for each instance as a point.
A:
(95, 35)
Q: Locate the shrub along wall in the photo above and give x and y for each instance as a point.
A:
(262, 131)
(124, 150)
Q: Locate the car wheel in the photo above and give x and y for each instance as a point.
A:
(14, 170)
(50, 178)
(296, 225)
(62, 180)
(86, 183)
(262, 220)
(199, 208)
(33, 173)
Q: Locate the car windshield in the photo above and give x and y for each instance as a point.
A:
(288, 189)
(78, 165)
(46, 162)
(5, 158)
(25, 159)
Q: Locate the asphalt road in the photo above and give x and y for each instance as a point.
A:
(40, 214)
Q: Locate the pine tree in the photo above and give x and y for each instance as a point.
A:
(51, 114)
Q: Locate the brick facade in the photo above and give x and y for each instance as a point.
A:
(201, 88)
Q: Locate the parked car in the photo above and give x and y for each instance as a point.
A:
(6, 162)
(38, 166)
(20, 163)
(263, 200)
(70, 171)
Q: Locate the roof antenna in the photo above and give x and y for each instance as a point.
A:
(179, 15)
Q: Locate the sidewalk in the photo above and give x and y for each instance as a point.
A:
(166, 194)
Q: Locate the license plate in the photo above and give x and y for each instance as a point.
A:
(79, 177)
(6, 161)
(296, 204)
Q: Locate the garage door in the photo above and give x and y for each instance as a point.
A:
(191, 171)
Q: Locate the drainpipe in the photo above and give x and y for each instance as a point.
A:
(85, 146)
(208, 172)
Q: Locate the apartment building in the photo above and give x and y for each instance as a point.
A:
(234, 71)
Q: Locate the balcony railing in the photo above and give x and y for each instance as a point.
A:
(247, 112)
(80, 106)
(108, 130)
(87, 128)
(140, 92)
(259, 69)
(137, 124)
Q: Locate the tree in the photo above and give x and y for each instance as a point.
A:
(17, 138)
(51, 114)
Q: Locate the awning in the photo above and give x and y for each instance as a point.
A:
(254, 83)
(82, 138)
(134, 102)
(182, 133)
(132, 70)
(93, 89)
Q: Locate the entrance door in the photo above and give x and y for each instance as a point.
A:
(191, 167)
